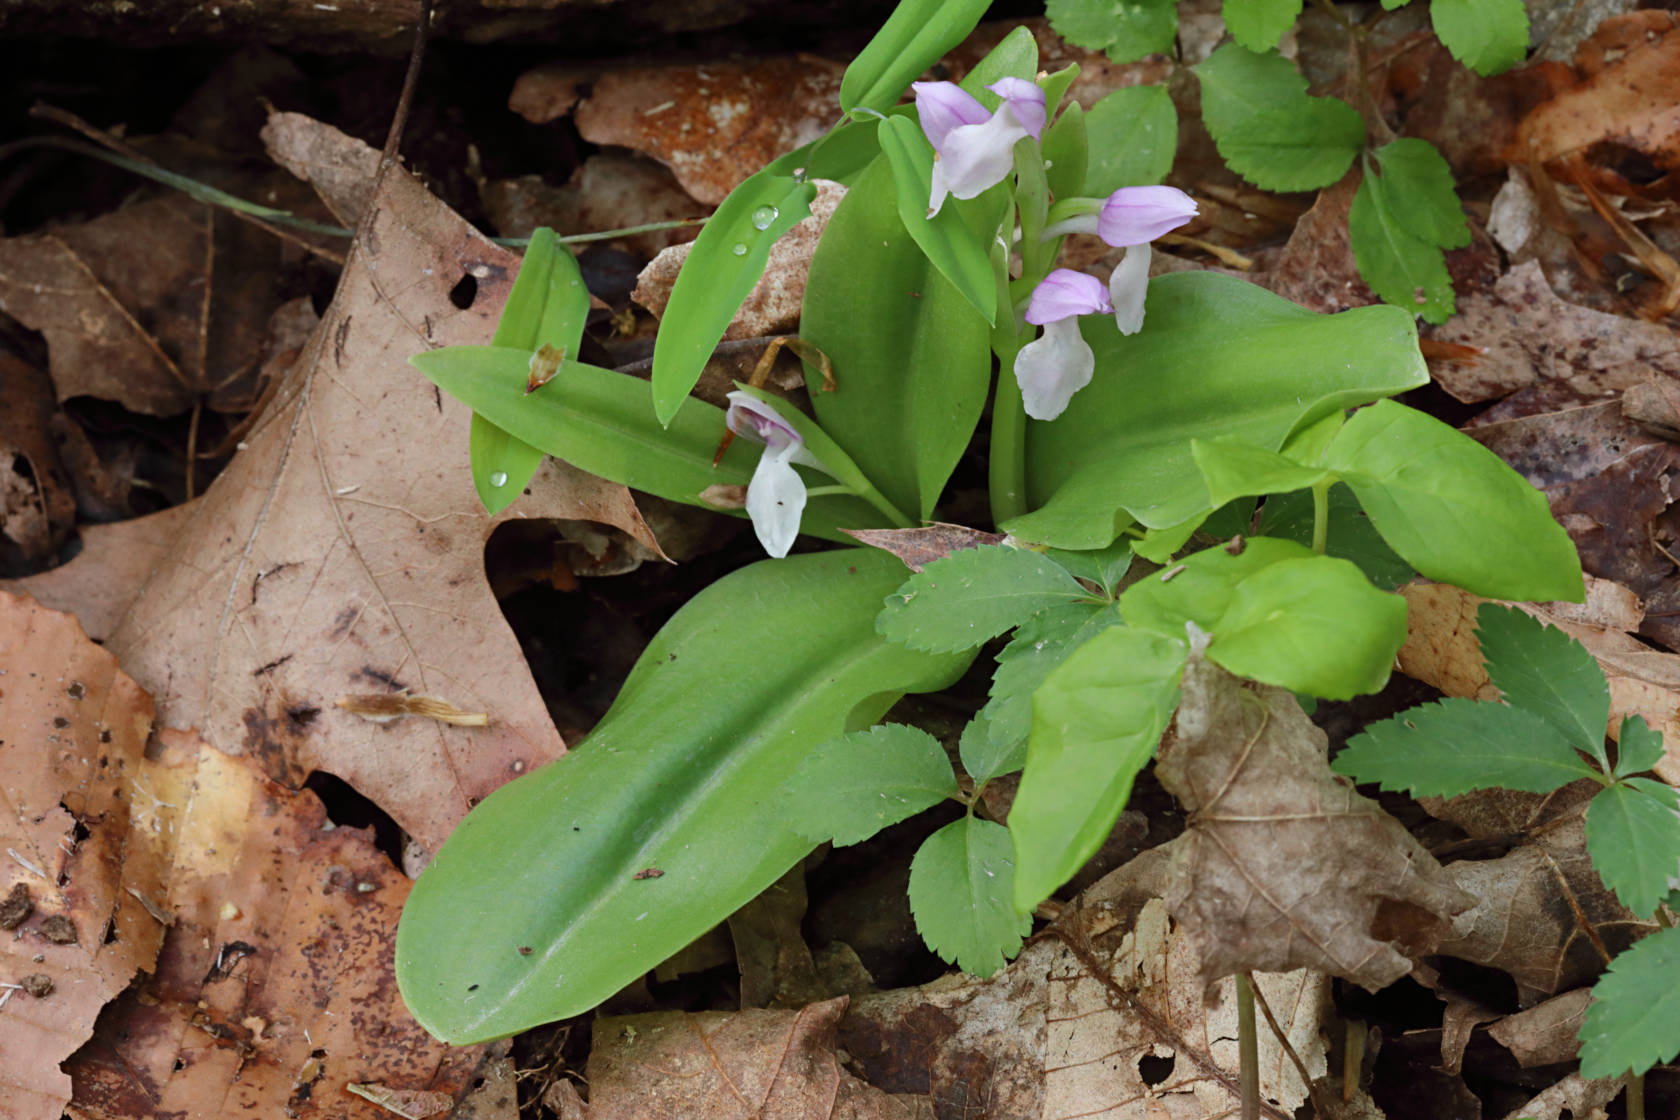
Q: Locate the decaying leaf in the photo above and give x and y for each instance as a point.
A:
(37, 507)
(386, 707)
(610, 190)
(1283, 865)
(1545, 1033)
(920, 547)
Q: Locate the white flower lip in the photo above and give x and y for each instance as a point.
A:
(974, 150)
(776, 495)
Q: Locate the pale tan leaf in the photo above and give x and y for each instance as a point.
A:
(1547, 1032)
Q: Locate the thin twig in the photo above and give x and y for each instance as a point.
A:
(1288, 1047)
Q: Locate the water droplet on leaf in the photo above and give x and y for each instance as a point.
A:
(763, 216)
(499, 478)
(739, 250)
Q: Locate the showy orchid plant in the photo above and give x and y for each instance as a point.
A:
(1135, 426)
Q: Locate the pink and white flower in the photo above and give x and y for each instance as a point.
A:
(973, 149)
(776, 494)
(1059, 363)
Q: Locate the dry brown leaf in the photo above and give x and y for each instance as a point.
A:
(73, 731)
(1573, 1098)
(275, 984)
(1545, 1033)
(1283, 865)
(775, 963)
(608, 191)
(37, 506)
(341, 552)
(920, 547)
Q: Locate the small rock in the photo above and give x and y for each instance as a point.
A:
(59, 930)
(17, 907)
(37, 984)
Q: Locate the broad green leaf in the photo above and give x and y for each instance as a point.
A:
(1454, 746)
(1201, 588)
(946, 240)
(1055, 86)
(665, 818)
(1217, 357)
(1543, 670)
(1313, 625)
(1307, 445)
(602, 422)
(1126, 29)
(1160, 545)
(1042, 643)
(1633, 836)
(910, 354)
(1638, 748)
(960, 887)
(1351, 534)
(917, 34)
(1632, 1024)
(1268, 129)
(985, 759)
(1066, 151)
(547, 306)
(1489, 36)
(1096, 721)
(973, 595)
(1260, 24)
(1105, 567)
(840, 155)
(1233, 468)
(726, 261)
(1452, 509)
(852, 787)
(1400, 221)
(1133, 137)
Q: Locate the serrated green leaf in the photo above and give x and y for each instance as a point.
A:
(1234, 468)
(1042, 643)
(1489, 36)
(1419, 189)
(1313, 625)
(1638, 748)
(1633, 836)
(1351, 534)
(850, 788)
(1200, 588)
(1133, 137)
(984, 759)
(1543, 670)
(960, 886)
(973, 595)
(1452, 509)
(682, 775)
(1127, 29)
(1454, 746)
(916, 35)
(1630, 1025)
(945, 238)
(1259, 24)
(1096, 720)
(1266, 127)
(1105, 567)
(1400, 221)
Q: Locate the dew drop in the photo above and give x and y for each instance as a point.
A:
(739, 250)
(499, 478)
(763, 216)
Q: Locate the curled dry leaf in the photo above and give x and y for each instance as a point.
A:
(37, 506)
(341, 552)
(933, 541)
(1547, 1032)
(1283, 865)
(78, 860)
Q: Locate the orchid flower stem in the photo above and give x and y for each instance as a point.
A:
(1009, 436)
(826, 491)
(1321, 516)
(1248, 1049)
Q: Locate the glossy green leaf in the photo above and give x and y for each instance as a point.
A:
(1351, 534)
(726, 261)
(547, 306)
(1015, 56)
(985, 758)
(960, 889)
(1041, 644)
(1268, 129)
(1312, 625)
(839, 155)
(1399, 223)
(602, 422)
(1055, 86)
(664, 820)
(1159, 546)
(973, 595)
(1200, 588)
(1627, 1030)
(852, 787)
(917, 34)
(910, 353)
(1096, 721)
(1489, 36)
(1126, 29)
(1217, 357)
(1543, 670)
(1260, 24)
(1638, 747)
(1133, 137)
(1105, 567)
(1633, 836)
(1454, 746)
(945, 238)
(1233, 469)
(1066, 152)
(1452, 509)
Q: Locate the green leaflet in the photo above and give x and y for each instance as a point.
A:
(1400, 222)
(960, 886)
(1266, 127)
(726, 261)
(1626, 1028)
(1126, 29)
(1200, 588)
(682, 777)
(1638, 748)
(1122, 449)
(1633, 836)
(1488, 36)
(1543, 670)
(1259, 24)
(984, 757)
(1452, 509)
(917, 34)
(945, 238)
(852, 787)
(1042, 643)
(1133, 137)
(547, 306)
(973, 595)
(909, 351)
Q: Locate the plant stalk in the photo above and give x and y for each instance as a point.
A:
(1321, 517)
(1248, 1049)
(1008, 468)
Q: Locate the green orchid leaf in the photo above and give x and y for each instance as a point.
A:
(960, 887)
(1055, 86)
(1627, 1030)
(850, 788)
(1217, 357)
(974, 595)
(1452, 509)
(546, 307)
(1133, 137)
(726, 261)
(1260, 24)
(1127, 29)
(1268, 129)
(1351, 534)
(664, 819)
(839, 156)
(917, 34)
(909, 350)
(1633, 836)
(1233, 469)
(1489, 36)
(1096, 720)
(1399, 223)
(1543, 670)
(1041, 644)
(945, 238)
(1066, 150)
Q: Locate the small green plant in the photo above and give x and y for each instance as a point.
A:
(1548, 732)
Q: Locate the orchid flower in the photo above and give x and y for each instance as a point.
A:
(776, 494)
(1130, 218)
(1059, 363)
(973, 149)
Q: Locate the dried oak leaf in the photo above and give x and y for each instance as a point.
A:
(1283, 865)
(341, 551)
(73, 734)
(274, 990)
(933, 541)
